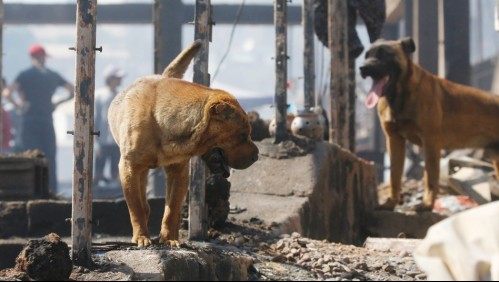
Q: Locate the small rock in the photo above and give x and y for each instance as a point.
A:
(326, 268)
(279, 258)
(305, 258)
(412, 273)
(403, 254)
(327, 258)
(345, 260)
(302, 241)
(388, 268)
(361, 266)
(239, 241)
(295, 235)
(280, 245)
(421, 276)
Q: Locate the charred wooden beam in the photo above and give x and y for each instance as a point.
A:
(308, 52)
(1, 73)
(131, 13)
(338, 46)
(281, 58)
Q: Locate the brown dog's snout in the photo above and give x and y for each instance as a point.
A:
(247, 156)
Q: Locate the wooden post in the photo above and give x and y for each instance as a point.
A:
(427, 46)
(457, 30)
(167, 23)
(281, 57)
(81, 231)
(308, 53)
(338, 46)
(351, 104)
(198, 211)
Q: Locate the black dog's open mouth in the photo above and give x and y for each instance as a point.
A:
(216, 161)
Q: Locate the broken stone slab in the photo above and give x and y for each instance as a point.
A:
(472, 182)
(393, 244)
(326, 192)
(194, 262)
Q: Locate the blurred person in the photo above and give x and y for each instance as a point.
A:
(107, 150)
(6, 128)
(6, 132)
(35, 87)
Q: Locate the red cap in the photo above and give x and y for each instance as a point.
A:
(37, 50)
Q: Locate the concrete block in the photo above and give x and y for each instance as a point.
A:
(13, 219)
(47, 216)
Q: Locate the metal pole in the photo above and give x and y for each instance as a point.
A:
(338, 46)
(308, 52)
(415, 28)
(281, 57)
(441, 39)
(81, 231)
(198, 211)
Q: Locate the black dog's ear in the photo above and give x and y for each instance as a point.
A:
(408, 45)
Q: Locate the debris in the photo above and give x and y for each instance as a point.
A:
(45, 259)
(450, 205)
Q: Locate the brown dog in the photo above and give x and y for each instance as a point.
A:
(428, 111)
(163, 121)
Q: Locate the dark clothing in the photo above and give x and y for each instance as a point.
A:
(371, 11)
(38, 86)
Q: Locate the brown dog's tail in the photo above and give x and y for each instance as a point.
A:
(178, 66)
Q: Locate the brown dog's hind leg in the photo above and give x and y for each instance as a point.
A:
(177, 185)
(132, 180)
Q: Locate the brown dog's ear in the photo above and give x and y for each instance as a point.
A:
(221, 110)
(408, 45)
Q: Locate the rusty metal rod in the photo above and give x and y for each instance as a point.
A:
(198, 210)
(81, 232)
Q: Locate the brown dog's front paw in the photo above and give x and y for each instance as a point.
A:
(142, 241)
(170, 243)
(388, 205)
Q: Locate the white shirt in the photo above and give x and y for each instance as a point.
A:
(103, 99)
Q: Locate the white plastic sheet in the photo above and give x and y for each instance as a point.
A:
(463, 247)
